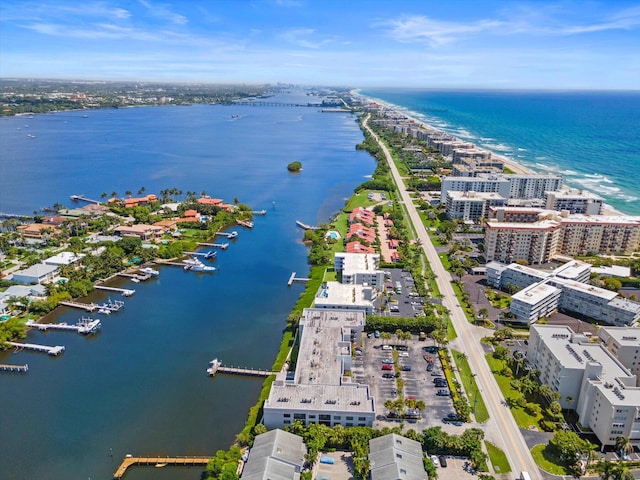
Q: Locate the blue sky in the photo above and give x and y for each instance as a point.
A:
(578, 44)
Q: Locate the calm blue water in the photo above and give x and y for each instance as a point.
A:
(589, 137)
(140, 386)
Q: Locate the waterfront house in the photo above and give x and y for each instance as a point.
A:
(39, 231)
(63, 258)
(32, 292)
(38, 273)
(143, 231)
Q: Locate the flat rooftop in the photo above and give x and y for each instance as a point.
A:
(627, 336)
(330, 398)
(535, 293)
(349, 296)
(357, 262)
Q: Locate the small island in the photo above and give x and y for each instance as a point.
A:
(294, 167)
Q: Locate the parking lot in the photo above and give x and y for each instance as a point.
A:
(419, 383)
(402, 302)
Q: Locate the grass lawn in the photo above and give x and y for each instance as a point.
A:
(361, 200)
(470, 386)
(465, 308)
(330, 275)
(451, 332)
(547, 461)
(523, 419)
(435, 239)
(444, 258)
(498, 458)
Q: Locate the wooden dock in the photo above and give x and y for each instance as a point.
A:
(305, 226)
(158, 461)
(89, 307)
(14, 368)
(125, 292)
(293, 279)
(76, 198)
(141, 277)
(221, 246)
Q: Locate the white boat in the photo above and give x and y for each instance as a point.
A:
(160, 465)
(104, 311)
(196, 265)
(150, 271)
(135, 280)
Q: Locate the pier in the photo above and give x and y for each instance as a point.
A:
(273, 104)
(37, 348)
(233, 234)
(167, 262)
(14, 368)
(89, 307)
(293, 279)
(207, 255)
(125, 292)
(221, 246)
(305, 226)
(135, 276)
(245, 223)
(77, 198)
(111, 306)
(14, 215)
(130, 461)
(215, 366)
(85, 326)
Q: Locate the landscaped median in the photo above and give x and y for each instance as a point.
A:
(497, 458)
(460, 402)
(478, 408)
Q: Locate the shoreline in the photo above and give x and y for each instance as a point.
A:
(509, 162)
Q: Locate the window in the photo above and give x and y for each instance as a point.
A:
(287, 415)
(337, 417)
(349, 418)
(362, 419)
(287, 422)
(299, 416)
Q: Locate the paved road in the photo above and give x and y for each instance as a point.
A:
(502, 424)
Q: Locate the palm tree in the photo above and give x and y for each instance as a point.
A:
(623, 445)
(142, 190)
(114, 194)
(128, 193)
(103, 195)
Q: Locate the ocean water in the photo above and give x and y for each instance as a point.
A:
(140, 385)
(591, 138)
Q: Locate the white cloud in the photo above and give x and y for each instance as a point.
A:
(163, 11)
(300, 37)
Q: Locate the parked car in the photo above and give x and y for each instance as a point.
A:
(435, 460)
(388, 375)
(443, 461)
(387, 347)
(386, 366)
(387, 360)
(376, 334)
(443, 392)
(402, 348)
(436, 374)
(429, 367)
(403, 354)
(406, 368)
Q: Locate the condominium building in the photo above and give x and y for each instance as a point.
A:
(359, 269)
(471, 206)
(564, 234)
(275, 455)
(394, 456)
(624, 344)
(534, 242)
(320, 390)
(362, 215)
(334, 295)
(481, 184)
(574, 201)
(532, 186)
(514, 214)
(561, 289)
(588, 378)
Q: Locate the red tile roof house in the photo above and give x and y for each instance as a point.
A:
(190, 216)
(365, 233)
(216, 202)
(362, 215)
(357, 247)
(135, 202)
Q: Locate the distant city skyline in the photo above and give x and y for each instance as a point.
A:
(427, 44)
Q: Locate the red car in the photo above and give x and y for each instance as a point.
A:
(387, 367)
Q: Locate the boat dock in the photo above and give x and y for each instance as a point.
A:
(37, 348)
(215, 366)
(167, 262)
(245, 223)
(305, 226)
(140, 277)
(293, 279)
(14, 368)
(125, 292)
(221, 246)
(207, 255)
(232, 234)
(112, 305)
(130, 461)
(76, 198)
(89, 307)
(85, 326)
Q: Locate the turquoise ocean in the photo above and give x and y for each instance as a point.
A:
(591, 138)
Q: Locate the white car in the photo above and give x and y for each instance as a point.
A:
(387, 347)
(403, 354)
(435, 461)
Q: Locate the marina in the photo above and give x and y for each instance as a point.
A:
(130, 461)
(215, 366)
(125, 292)
(37, 348)
(85, 326)
(14, 368)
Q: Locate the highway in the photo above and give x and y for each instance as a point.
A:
(501, 422)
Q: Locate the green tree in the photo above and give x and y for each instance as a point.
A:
(623, 445)
(611, 283)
